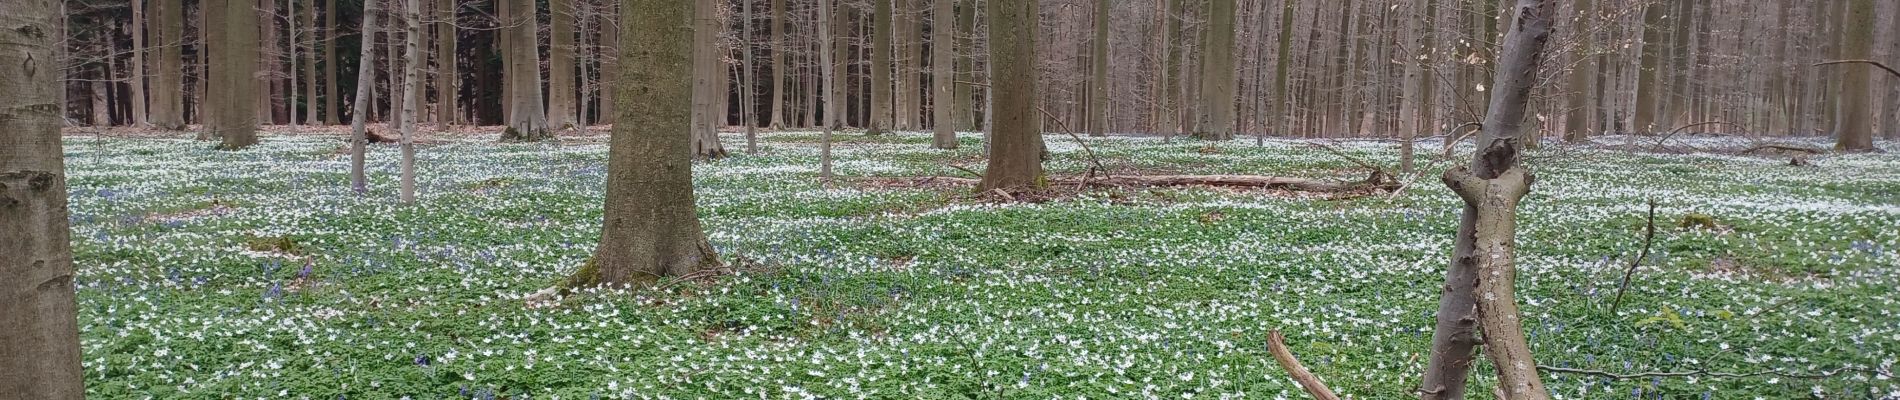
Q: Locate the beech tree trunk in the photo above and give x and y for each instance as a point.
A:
(331, 115)
(136, 71)
(965, 40)
(780, 45)
(1479, 291)
(1577, 117)
(359, 111)
(39, 327)
(1016, 149)
(561, 84)
(166, 109)
(650, 229)
(1218, 74)
(528, 121)
(411, 95)
(1649, 88)
(707, 67)
(233, 34)
(881, 50)
(1098, 72)
(943, 52)
(446, 94)
(309, 62)
(827, 55)
(1854, 123)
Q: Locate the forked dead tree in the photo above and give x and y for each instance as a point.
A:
(1479, 294)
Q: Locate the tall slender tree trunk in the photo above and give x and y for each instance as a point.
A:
(1853, 125)
(881, 49)
(828, 53)
(609, 67)
(748, 98)
(964, 48)
(1098, 72)
(1649, 89)
(331, 95)
(1016, 151)
(1680, 67)
(39, 329)
(136, 71)
(561, 84)
(446, 95)
(942, 61)
(270, 91)
(309, 61)
(1577, 117)
(780, 45)
(359, 110)
(392, 43)
(708, 67)
(650, 229)
(1280, 118)
(411, 95)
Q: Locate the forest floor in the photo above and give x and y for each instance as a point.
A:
(211, 274)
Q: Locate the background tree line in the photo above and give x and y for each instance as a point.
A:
(1352, 68)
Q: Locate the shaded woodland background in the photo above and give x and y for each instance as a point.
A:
(1301, 68)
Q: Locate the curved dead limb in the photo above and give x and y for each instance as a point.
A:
(1782, 147)
(1276, 344)
(1673, 132)
(1096, 162)
(1649, 238)
(1715, 374)
(1890, 70)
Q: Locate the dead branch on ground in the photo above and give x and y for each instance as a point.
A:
(1276, 344)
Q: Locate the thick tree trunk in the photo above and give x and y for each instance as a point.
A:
(609, 67)
(528, 120)
(359, 111)
(1016, 149)
(233, 33)
(167, 95)
(1853, 124)
(270, 92)
(943, 53)
(1218, 74)
(39, 329)
(1478, 292)
(561, 84)
(650, 229)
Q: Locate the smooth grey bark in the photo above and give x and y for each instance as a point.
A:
(1218, 86)
(562, 87)
(1854, 123)
(881, 49)
(359, 111)
(708, 66)
(412, 63)
(829, 80)
(166, 109)
(233, 35)
(309, 62)
(528, 120)
(1577, 118)
(445, 59)
(331, 116)
(650, 229)
(39, 325)
(135, 72)
(780, 45)
(943, 53)
(1098, 72)
(1016, 136)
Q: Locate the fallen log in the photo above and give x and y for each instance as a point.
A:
(1378, 181)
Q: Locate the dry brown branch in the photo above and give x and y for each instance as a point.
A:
(1673, 132)
(1708, 373)
(1276, 344)
(1890, 70)
(1649, 239)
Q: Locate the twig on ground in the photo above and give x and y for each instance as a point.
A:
(1276, 344)
(1890, 70)
(1673, 132)
(1708, 373)
(1649, 239)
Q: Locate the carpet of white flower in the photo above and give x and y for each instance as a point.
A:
(258, 274)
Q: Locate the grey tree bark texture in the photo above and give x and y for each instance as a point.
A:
(650, 228)
(1854, 118)
(39, 327)
(1479, 293)
(411, 95)
(943, 53)
(1216, 119)
(233, 36)
(167, 106)
(881, 49)
(1098, 71)
(1016, 136)
(359, 111)
(528, 120)
(562, 89)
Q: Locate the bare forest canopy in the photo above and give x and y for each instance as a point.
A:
(1298, 68)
